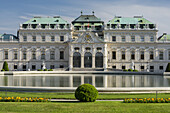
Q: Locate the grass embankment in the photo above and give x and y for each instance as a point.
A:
(78, 107)
(71, 95)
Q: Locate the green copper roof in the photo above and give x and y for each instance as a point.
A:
(7, 37)
(0, 35)
(129, 20)
(165, 38)
(47, 20)
(87, 18)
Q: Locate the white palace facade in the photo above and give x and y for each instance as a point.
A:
(86, 44)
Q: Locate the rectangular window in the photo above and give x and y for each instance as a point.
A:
(24, 55)
(52, 54)
(52, 38)
(113, 38)
(113, 54)
(61, 54)
(33, 38)
(161, 55)
(151, 55)
(161, 67)
(15, 55)
(43, 38)
(6, 54)
(42, 55)
(123, 67)
(61, 66)
(132, 55)
(123, 39)
(151, 68)
(33, 67)
(114, 67)
(34, 55)
(133, 38)
(142, 55)
(61, 38)
(123, 55)
(24, 67)
(151, 38)
(51, 66)
(142, 68)
(142, 39)
(24, 38)
(15, 67)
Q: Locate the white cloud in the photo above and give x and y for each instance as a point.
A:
(106, 10)
(24, 17)
(156, 14)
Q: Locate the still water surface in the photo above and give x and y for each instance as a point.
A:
(76, 80)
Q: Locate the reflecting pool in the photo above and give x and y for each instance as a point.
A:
(98, 80)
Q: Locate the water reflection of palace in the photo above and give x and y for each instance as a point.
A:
(107, 81)
(87, 43)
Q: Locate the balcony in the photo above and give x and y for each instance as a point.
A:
(130, 27)
(45, 27)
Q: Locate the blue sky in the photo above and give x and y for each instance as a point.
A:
(14, 12)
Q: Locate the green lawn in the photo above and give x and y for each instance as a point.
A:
(78, 107)
(71, 95)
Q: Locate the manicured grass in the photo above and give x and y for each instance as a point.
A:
(71, 95)
(78, 107)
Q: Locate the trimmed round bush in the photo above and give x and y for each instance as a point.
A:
(50, 70)
(130, 70)
(125, 70)
(135, 70)
(3, 70)
(45, 69)
(86, 93)
(39, 70)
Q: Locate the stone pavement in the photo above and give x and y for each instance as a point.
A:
(73, 100)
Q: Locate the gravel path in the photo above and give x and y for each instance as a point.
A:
(70, 100)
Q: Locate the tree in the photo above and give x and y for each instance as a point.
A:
(168, 68)
(5, 66)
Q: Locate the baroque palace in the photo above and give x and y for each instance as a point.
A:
(86, 44)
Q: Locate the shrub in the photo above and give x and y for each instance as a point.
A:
(3, 70)
(86, 93)
(135, 70)
(39, 70)
(125, 70)
(168, 68)
(45, 69)
(130, 70)
(5, 66)
(50, 70)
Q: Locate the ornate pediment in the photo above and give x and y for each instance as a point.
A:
(88, 37)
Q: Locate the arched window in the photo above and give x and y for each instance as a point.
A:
(88, 60)
(132, 55)
(76, 59)
(99, 60)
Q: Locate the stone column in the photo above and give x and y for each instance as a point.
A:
(82, 79)
(156, 55)
(71, 81)
(105, 57)
(128, 55)
(93, 58)
(137, 55)
(93, 80)
(82, 61)
(82, 57)
(105, 81)
(70, 58)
